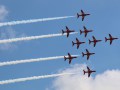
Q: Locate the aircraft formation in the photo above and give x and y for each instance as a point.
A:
(87, 54)
(79, 42)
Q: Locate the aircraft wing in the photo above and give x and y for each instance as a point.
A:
(84, 27)
(89, 74)
(69, 55)
(82, 12)
(110, 42)
(78, 46)
(93, 38)
(83, 18)
(88, 57)
(94, 44)
(77, 40)
(110, 35)
(85, 34)
(87, 51)
(68, 34)
(88, 68)
(67, 28)
(70, 61)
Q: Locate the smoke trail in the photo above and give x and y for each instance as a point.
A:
(32, 21)
(32, 78)
(31, 60)
(31, 38)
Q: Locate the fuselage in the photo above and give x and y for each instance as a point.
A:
(89, 71)
(88, 54)
(96, 41)
(112, 38)
(70, 57)
(84, 14)
(79, 42)
(69, 31)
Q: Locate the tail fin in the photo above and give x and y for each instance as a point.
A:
(89, 41)
(62, 32)
(65, 58)
(84, 72)
(78, 15)
(80, 32)
(83, 54)
(105, 39)
(73, 43)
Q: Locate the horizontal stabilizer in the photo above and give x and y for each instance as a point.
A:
(63, 32)
(89, 41)
(84, 72)
(65, 58)
(80, 32)
(105, 39)
(73, 43)
(83, 54)
(78, 15)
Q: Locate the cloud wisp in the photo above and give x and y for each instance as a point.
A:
(32, 38)
(32, 21)
(31, 60)
(3, 12)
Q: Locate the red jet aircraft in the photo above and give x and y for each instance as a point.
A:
(87, 54)
(94, 41)
(82, 14)
(111, 38)
(68, 31)
(69, 58)
(86, 31)
(77, 43)
(88, 71)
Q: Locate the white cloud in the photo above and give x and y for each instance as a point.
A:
(109, 80)
(7, 32)
(3, 12)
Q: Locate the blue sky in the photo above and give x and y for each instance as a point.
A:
(104, 19)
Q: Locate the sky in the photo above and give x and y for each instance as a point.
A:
(104, 19)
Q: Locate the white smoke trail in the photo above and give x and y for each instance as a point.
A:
(31, 60)
(32, 78)
(32, 21)
(31, 38)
